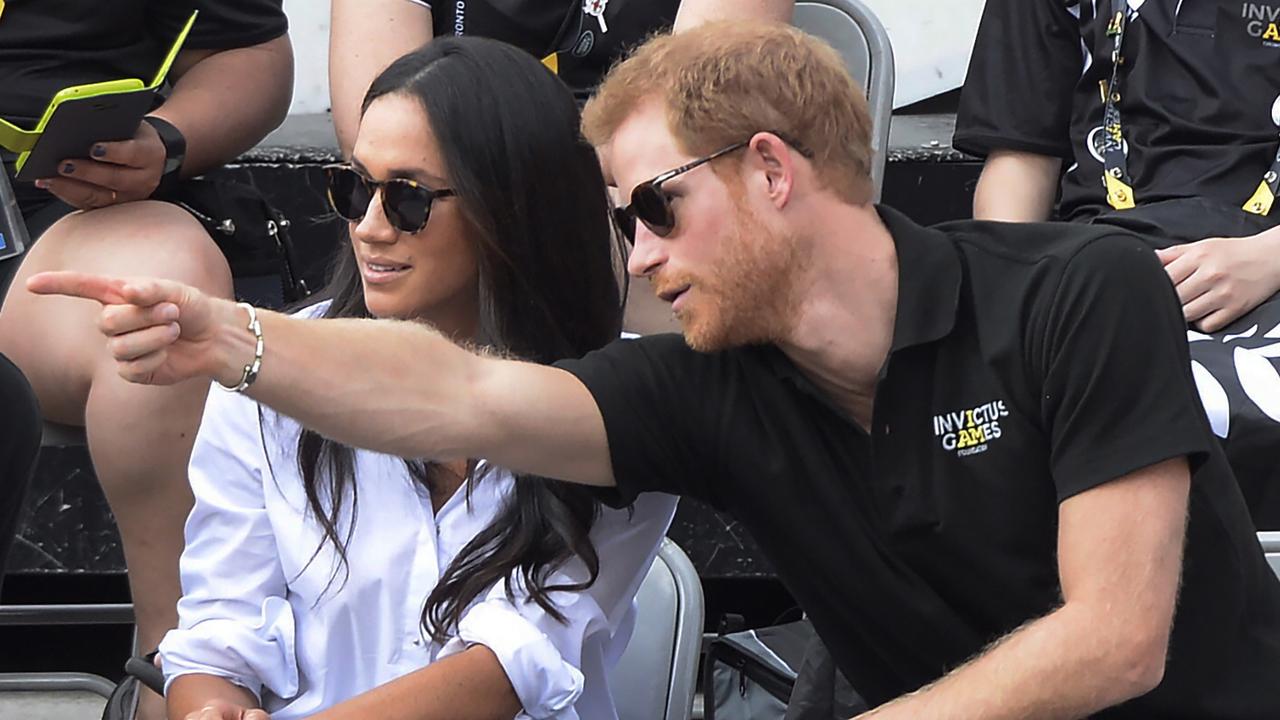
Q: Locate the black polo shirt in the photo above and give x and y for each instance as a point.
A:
(584, 48)
(1029, 363)
(1197, 88)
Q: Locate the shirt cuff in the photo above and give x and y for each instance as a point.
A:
(547, 685)
(252, 655)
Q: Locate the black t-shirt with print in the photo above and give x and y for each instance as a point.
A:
(47, 45)
(1030, 363)
(584, 49)
(1199, 87)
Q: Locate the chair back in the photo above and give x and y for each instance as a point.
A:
(1270, 541)
(857, 34)
(655, 677)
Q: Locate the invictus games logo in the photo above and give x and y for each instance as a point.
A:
(1261, 22)
(970, 431)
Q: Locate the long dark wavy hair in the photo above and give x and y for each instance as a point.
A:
(507, 129)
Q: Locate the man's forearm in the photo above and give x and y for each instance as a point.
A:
(390, 386)
(468, 686)
(1063, 665)
(1016, 187)
(225, 102)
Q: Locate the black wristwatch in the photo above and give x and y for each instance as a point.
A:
(175, 151)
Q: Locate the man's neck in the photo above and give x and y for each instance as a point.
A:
(843, 329)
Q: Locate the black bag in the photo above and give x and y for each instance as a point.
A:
(253, 235)
(781, 672)
(140, 673)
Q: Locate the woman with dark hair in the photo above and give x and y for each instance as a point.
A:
(475, 206)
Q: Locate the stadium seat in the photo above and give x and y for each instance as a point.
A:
(655, 677)
(53, 696)
(1271, 546)
(854, 31)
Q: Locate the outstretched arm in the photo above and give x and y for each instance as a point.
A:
(391, 386)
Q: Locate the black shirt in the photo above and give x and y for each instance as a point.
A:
(1197, 88)
(47, 45)
(564, 27)
(1029, 363)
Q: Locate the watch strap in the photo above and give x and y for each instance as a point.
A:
(175, 152)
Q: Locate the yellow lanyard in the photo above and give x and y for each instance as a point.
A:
(1, 7)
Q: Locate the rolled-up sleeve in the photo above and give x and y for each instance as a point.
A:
(543, 656)
(234, 619)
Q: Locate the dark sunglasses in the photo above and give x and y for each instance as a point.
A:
(652, 207)
(406, 203)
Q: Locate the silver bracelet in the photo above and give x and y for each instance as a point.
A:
(250, 370)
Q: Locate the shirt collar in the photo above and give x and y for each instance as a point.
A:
(928, 281)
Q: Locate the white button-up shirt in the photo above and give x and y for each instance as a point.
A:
(262, 608)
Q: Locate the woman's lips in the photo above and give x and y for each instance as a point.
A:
(382, 271)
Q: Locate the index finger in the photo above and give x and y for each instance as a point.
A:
(106, 290)
(143, 292)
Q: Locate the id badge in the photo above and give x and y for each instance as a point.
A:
(13, 229)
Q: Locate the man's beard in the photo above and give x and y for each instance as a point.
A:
(751, 295)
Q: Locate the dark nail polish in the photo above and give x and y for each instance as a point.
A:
(99, 151)
(68, 168)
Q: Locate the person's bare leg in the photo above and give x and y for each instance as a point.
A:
(139, 437)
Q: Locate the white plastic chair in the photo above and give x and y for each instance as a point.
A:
(53, 696)
(655, 677)
(857, 34)
(1271, 546)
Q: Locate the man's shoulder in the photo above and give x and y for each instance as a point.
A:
(1047, 245)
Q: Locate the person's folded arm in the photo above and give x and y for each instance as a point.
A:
(223, 102)
(1016, 186)
(365, 36)
(226, 101)
(543, 654)
(470, 685)
(1120, 559)
(696, 12)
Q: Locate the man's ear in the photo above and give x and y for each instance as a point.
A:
(775, 158)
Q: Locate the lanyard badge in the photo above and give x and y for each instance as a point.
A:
(1115, 173)
(1262, 199)
(595, 8)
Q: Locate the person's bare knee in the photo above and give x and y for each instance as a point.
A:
(134, 239)
(142, 239)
